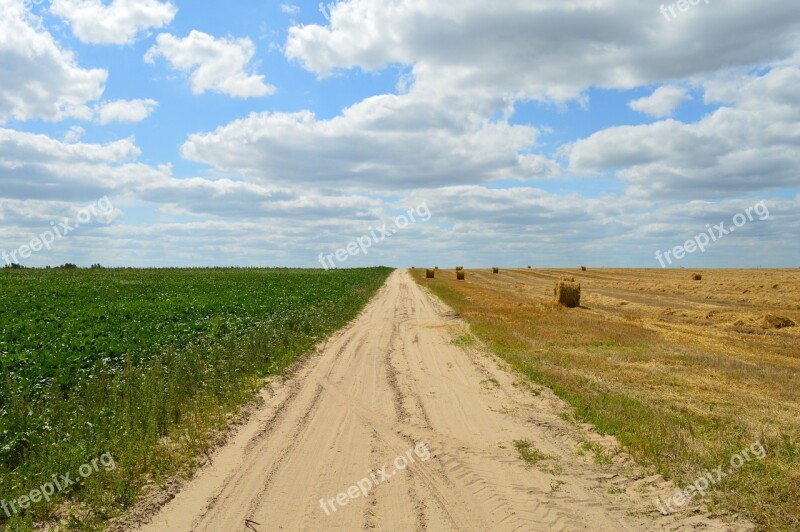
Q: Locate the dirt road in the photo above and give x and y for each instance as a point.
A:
(383, 393)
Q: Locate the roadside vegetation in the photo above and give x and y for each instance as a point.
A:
(144, 366)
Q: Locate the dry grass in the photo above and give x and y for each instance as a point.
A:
(683, 374)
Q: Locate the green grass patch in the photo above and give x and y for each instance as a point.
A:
(464, 341)
(529, 453)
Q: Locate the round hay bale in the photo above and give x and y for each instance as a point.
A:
(436, 268)
(529, 267)
(495, 269)
(461, 275)
(459, 268)
(697, 277)
(413, 267)
(429, 274)
(568, 294)
(583, 268)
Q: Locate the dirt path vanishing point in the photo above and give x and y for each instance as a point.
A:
(394, 384)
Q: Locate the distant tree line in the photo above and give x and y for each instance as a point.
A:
(67, 266)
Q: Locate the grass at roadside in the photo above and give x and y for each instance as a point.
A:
(679, 400)
(146, 366)
(528, 452)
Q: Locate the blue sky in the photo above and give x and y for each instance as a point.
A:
(267, 133)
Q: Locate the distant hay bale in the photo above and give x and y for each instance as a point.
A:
(568, 293)
(567, 278)
(529, 267)
(770, 321)
(429, 274)
(583, 268)
(436, 268)
(697, 277)
(413, 267)
(495, 269)
(459, 268)
(461, 275)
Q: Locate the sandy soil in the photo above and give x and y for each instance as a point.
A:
(392, 382)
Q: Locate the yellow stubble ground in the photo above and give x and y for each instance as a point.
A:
(681, 371)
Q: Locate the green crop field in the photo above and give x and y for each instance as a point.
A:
(143, 365)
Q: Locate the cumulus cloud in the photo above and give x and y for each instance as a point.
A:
(38, 167)
(119, 22)
(752, 144)
(17, 146)
(217, 65)
(125, 111)
(471, 63)
(34, 166)
(40, 79)
(383, 142)
(495, 55)
(662, 103)
(43, 179)
(523, 47)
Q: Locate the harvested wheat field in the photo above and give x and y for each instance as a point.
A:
(684, 374)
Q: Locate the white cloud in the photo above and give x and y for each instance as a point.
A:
(74, 134)
(662, 103)
(290, 9)
(479, 59)
(125, 111)
(540, 48)
(383, 142)
(120, 22)
(40, 80)
(36, 167)
(17, 146)
(218, 65)
(752, 144)
(239, 223)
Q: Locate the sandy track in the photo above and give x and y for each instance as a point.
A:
(389, 382)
